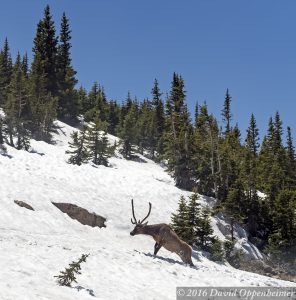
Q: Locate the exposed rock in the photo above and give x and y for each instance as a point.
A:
(81, 215)
(23, 204)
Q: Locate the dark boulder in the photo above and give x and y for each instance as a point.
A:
(81, 215)
(23, 204)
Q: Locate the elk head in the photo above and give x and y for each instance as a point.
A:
(139, 224)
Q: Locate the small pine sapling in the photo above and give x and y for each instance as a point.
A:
(79, 152)
(65, 278)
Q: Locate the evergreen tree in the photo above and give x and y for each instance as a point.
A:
(97, 143)
(196, 114)
(206, 153)
(128, 133)
(45, 53)
(284, 220)
(204, 229)
(230, 156)
(291, 161)
(5, 72)
(96, 104)
(79, 154)
(44, 85)
(65, 278)
(235, 204)
(217, 250)
(25, 65)
(146, 129)
(158, 120)
(252, 136)
(113, 117)
(82, 100)
(68, 99)
(193, 219)
(1, 131)
(178, 136)
(17, 107)
(226, 112)
(180, 221)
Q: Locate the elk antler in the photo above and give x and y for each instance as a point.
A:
(133, 211)
(150, 205)
(135, 220)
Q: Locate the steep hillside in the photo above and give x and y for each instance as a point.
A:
(36, 245)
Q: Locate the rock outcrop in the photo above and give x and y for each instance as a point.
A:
(81, 214)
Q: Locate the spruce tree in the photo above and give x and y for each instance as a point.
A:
(226, 112)
(291, 161)
(204, 229)
(67, 277)
(179, 221)
(206, 153)
(158, 119)
(252, 136)
(68, 99)
(193, 219)
(82, 100)
(17, 107)
(196, 113)
(113, 117)
(178, 136)
(5, 72)
(97, 143)
(44, 85)
(79, 154)
(128, 133)
(45, 53)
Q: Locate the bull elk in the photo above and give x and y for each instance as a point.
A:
(163, 235)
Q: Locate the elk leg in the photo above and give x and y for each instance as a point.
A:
(156, 248)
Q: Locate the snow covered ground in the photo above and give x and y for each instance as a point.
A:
(36, 245)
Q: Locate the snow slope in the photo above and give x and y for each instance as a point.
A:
(36, 245)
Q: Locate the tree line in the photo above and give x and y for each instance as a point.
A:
(198, 152)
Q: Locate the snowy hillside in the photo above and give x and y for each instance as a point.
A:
(36, 245)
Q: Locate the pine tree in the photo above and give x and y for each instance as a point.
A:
(44, 85)
(97, 143)
(17, 107)
(291, 161)
(96, 103)
(178, 136)
(284, 225)
(128, 133)
(158, 119)
(79, 154)
(217, 250)
(146, 129)
(113, 117)
(252, 136)
(235, 204)
(25, 65)
(68, 99)
(226, 112)
(65, 278)
(206, 153)
(180, 220)
(193, 219)
(5, 72)
(1, 131)
(204, 229)
(196, 114)
(45, 53)
(82, 100)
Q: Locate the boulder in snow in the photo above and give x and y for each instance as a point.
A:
(23, 204)
(81, 215)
